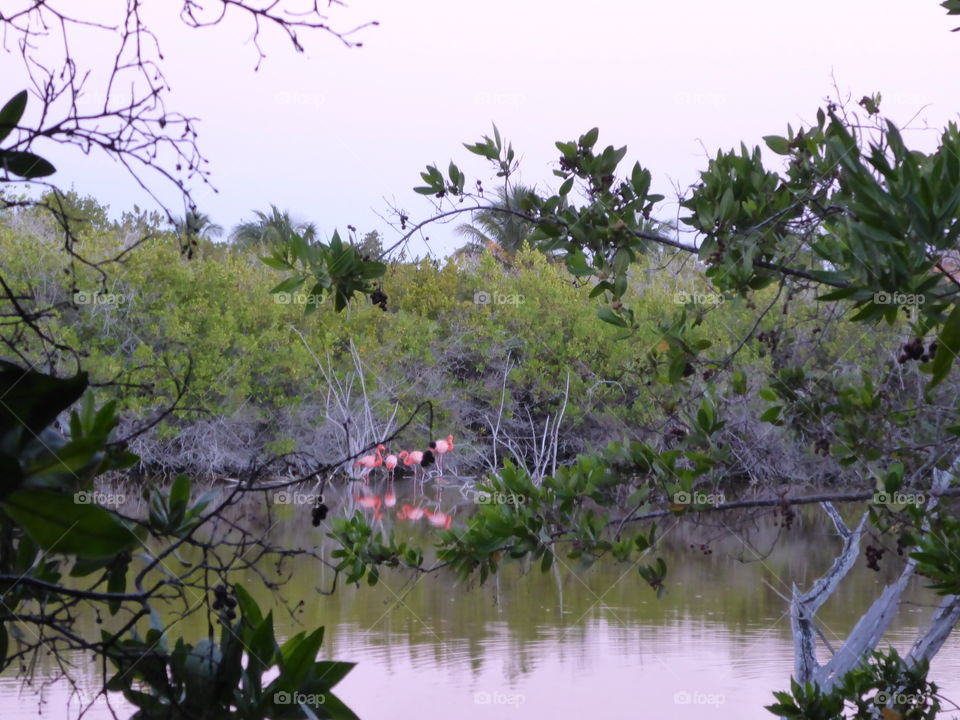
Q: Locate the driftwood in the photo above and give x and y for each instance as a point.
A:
(864, 637)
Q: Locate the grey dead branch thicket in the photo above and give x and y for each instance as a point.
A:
(870, 628)
(522, 440)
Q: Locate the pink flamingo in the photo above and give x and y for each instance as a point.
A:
(370, 462)
(390, 463)
(411, 458)
(441, 448)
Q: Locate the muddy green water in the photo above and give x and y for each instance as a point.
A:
(569, 644)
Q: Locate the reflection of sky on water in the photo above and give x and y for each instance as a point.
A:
(593, 643)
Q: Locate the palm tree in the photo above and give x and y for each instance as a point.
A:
(195, 226)
(493, 228)
(271, 229)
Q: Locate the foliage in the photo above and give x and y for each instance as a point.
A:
(852, 219)
(435, 339)
(210, 679)
(50, 522)
(885, 682)
(336, 269)
(21, 163)
(193, 226)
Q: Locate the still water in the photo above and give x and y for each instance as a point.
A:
(571, 643)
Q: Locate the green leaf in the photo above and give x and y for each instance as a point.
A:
(328, 672)
(609, 316)
(117, 583)
(566, 187)
(299, 655)
(33, 400)
(276, 263)
(342, 262)
(768, 394)
(69, 459)
(948, 345)
(771, 415)
(180, 492)
(600, 288)
(739, 382)
(12, 112)
(547, 561)
(289, 285)
(262, 647)
(313, 301)
(372, 270)
(25, 164)
(483, 149)
(778, 144)
(200, 504)
(58, 524)
(677, 368)
(334, 708)
(844, 293)
(589, 138)
(640, 179)
(727, 205)
(577, 265)
(249, 610)
(299, 248)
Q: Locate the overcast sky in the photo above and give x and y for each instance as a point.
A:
(335, 134)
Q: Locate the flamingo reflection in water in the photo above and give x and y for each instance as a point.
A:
(410, 512)
(370, 502)
(439, 519)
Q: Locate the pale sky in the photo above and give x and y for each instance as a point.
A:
(334, 134)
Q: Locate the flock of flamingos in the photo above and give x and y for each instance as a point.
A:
(412, 459)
